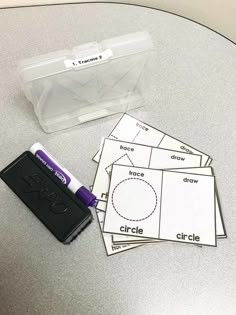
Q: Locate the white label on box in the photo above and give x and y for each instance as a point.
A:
(88, 60)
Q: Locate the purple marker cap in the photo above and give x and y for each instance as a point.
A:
(88, 198)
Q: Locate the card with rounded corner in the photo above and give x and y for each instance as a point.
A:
(165, 205)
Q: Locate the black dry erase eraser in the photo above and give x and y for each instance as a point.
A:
(57, 207)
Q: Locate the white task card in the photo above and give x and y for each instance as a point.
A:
(133, 206)
(131, 154)
(220, 226)
(111, 248)
(101, 205)
(188, 208)
(133, 130)
(159, 204)
(127, 239)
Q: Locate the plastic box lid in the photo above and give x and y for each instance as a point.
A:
(90, 81)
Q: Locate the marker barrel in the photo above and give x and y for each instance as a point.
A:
(63, 174)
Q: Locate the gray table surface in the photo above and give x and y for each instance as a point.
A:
(193, 97)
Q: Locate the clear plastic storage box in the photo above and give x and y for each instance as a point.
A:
(93, 80)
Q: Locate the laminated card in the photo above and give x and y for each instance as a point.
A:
(125, 153)
(173, 206)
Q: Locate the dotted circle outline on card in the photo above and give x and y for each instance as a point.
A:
(134, 178)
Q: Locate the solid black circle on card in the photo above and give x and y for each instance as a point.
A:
(134, 199)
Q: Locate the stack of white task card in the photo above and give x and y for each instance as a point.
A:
(152, 188)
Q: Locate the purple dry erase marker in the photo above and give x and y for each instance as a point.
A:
(63, 174)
